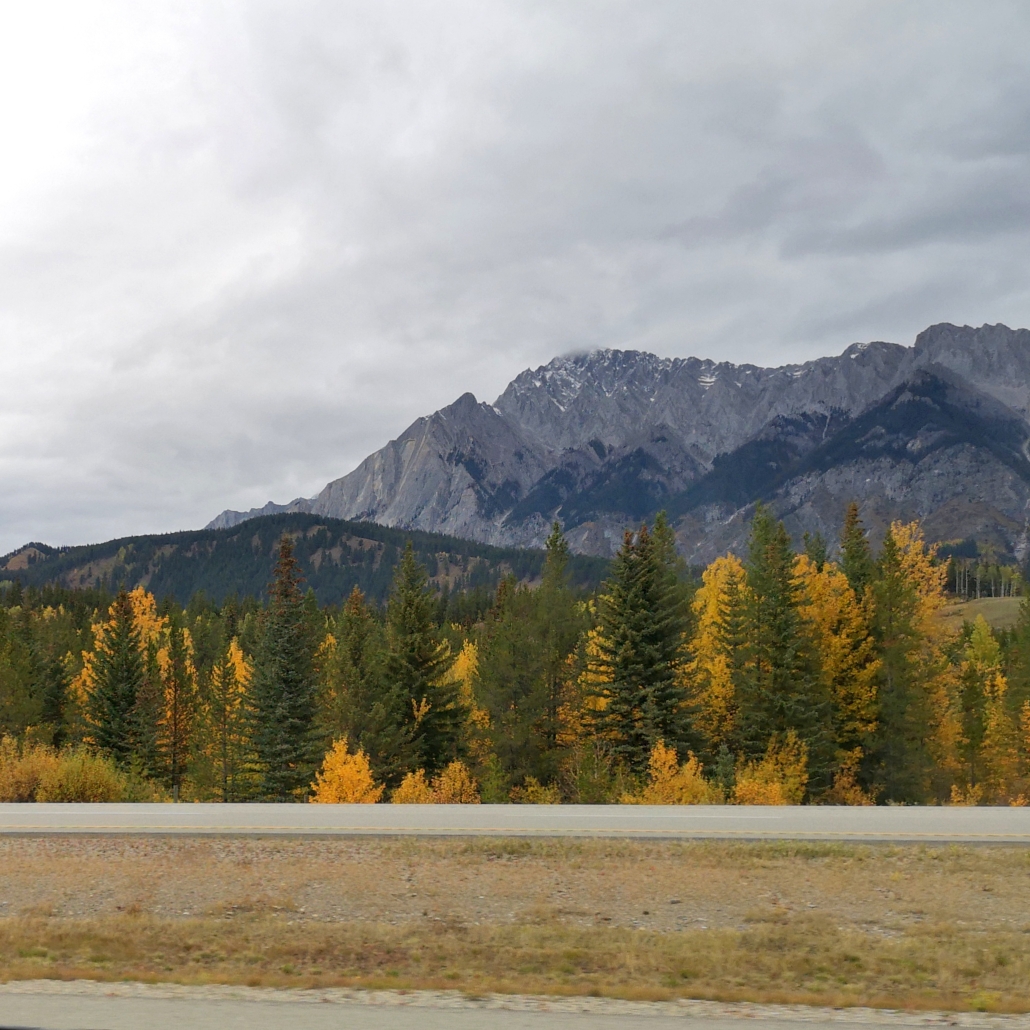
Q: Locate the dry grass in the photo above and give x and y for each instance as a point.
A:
(1000, 612)
(829, 924)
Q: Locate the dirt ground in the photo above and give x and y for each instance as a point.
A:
(839, 924)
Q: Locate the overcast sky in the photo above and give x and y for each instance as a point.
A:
(242, 245)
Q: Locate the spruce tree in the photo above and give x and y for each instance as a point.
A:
(179, 709)
(283, 694)
(815, 549)
(53, 685)
(118, 676)
(558, 626)
(856, 560)
(513, 681)
(900, 758)
(417, 660)
(642, 638)
(779, 688)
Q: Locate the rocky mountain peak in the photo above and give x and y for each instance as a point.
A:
(602, 439)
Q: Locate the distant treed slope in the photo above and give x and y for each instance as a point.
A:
(603, 440)
(335, 557)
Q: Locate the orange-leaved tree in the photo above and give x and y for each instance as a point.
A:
(670, 783)
(345, 778)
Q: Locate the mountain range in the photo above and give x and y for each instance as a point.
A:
(601, 441)
(334, 557)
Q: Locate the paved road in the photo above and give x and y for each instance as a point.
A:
(959, 824)
(142, 1007)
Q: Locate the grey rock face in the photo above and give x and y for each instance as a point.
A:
(603, 440)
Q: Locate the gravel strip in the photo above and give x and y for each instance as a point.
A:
(790, 1014)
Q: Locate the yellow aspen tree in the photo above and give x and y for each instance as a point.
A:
(670, 783)
(345, 779)
(990, 737)
(845, 649)
(455, 786)
(779, 778)
(413, 790)
(710, 672)
(463, 674)
(938, 676)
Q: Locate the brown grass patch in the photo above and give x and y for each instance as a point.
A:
(820, 923)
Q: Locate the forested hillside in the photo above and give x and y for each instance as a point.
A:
(334, 555)
(778, 678)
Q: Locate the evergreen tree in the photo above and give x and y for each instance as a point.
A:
(815, 548)
(417, 660)
(779, 686)
(284, 688)
(54, 682)
(118, 676)
(146, 715)
(856, 560)
(179, 709)
(558, 627)
(642, 644)
(359, 705)
(513, 682)
(900, 755)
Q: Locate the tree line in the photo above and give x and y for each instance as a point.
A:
(776, 677)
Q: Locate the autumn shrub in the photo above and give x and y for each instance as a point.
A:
(779, 778)
(670, 783)
(454, 786)
(413, 790)
(846, 789)
(81, 776)
(22, 767)
(345, 778)
(533, 792)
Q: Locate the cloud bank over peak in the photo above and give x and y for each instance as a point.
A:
(243, 245)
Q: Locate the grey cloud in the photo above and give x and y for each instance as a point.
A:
(258, 240)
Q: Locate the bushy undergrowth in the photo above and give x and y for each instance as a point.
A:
(38, 772)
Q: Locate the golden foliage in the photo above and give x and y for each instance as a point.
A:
(36, 772)
(345, 779)
(413, 790)
(846, 789)
(998, 759)
(454, 786)
(22, 768)
(779, 778)
(670, 783)
(151, 627)
(533, 792)
(709, 673)
(846, 649)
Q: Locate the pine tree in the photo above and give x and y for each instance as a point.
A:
(900, 754)
(558, 626)
(417, 659)
(284, 689)
(643, 629)
(179, 709)
(227, 722)
(815, 548)
(779, 688)
(856, 560)
(118, 675)
(53, 686)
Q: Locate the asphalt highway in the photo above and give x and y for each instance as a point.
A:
(951, 824)
(124, 1009)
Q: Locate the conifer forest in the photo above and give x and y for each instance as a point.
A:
(823, 677)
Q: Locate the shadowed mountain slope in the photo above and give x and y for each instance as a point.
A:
(603, 440)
